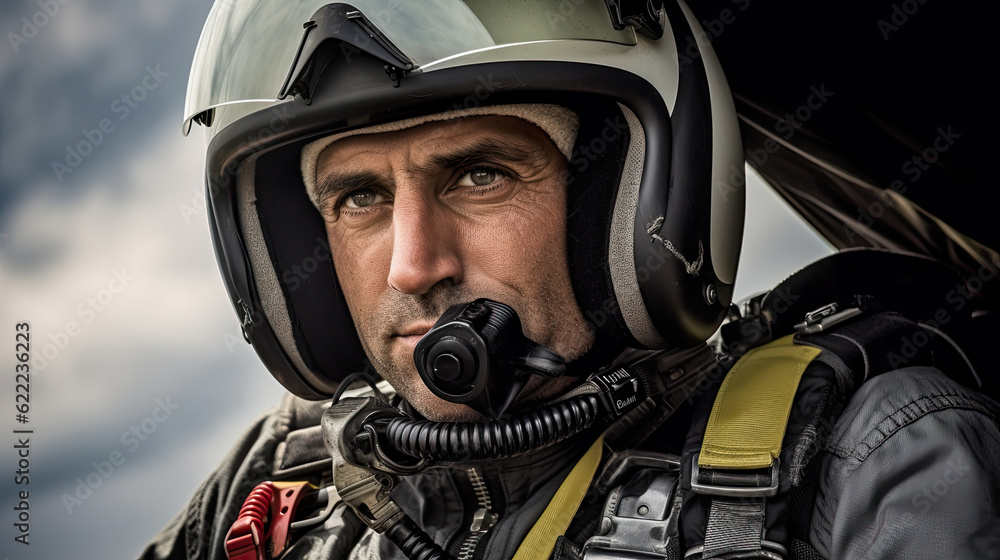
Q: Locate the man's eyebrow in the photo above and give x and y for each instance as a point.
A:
(481, 148)
(336, 183)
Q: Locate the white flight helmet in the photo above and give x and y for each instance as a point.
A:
(656, 194)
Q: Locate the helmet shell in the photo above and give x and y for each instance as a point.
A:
(656, 187)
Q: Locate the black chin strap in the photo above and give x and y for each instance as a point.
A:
(601, 354)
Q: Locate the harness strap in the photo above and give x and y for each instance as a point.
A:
(748, 419)
(738, 462)
(735, 525)
(554, 521)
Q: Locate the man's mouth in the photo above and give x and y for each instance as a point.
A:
(412, 334)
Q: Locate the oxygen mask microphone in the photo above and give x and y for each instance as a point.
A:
(476, 354)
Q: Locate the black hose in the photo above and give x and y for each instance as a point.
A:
(413, 541)
(493, 439)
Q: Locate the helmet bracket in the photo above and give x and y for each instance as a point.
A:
(339, 30)
(643, 15)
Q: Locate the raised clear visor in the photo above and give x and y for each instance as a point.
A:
(247, 47)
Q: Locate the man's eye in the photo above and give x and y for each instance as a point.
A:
(360, 198)
(480, 177)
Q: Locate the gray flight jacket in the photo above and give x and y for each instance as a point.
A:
(911, 470)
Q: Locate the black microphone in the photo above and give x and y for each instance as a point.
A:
(476, 354)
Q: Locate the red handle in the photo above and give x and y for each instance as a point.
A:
(245, 539)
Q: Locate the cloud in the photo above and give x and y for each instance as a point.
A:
(66, 249)
(65, 78)
(141, 286)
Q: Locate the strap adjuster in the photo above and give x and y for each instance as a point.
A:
(769, 550)
(750, 490)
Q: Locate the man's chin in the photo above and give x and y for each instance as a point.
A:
(410, 387)
(436, 409)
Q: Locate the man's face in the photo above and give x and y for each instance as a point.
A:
(444, 213)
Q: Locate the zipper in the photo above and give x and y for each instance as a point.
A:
(482, 520)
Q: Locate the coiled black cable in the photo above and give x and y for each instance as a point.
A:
(414, 542)
(493, 439)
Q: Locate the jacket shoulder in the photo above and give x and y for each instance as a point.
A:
(912, 471)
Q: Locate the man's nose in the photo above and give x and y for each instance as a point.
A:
(424, 246)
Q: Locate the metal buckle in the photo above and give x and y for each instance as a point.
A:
(328, 495)
(824, 318)
(816, 315)
(734, 491)
(640, 525)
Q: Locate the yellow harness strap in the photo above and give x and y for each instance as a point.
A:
(748, 419)
(559, 513)
(744, 431)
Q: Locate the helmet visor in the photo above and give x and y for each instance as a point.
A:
(247, 47)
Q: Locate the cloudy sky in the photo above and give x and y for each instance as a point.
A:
(105, 252)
